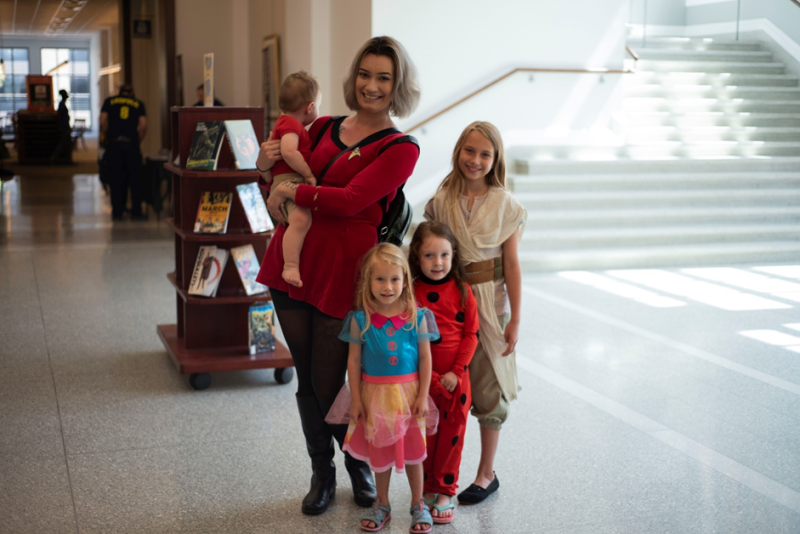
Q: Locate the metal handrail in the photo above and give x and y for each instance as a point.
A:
(504, 76)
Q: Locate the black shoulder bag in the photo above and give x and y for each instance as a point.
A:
(397, 214)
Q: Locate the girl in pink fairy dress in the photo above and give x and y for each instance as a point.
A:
(387, 406)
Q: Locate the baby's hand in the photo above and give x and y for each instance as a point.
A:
(310, 180)
(421, 405)
(357, 412)
(449, 381)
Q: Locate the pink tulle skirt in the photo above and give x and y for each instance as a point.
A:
(391, 435)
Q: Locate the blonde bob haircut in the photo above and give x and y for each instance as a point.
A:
(392, 255)
(405, 90)
(453, 183)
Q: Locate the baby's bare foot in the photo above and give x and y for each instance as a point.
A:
(292, 276)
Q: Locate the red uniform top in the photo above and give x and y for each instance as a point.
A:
(284, 125)
(457, 324)
(347, 210)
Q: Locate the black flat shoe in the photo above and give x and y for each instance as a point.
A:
(475, 494)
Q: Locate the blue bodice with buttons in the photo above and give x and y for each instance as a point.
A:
(389, 351)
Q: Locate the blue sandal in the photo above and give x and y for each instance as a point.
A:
(420, 515)
(431, 501)
(380, 514)
(444, 520)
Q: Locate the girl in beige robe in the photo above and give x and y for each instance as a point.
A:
(488, 222)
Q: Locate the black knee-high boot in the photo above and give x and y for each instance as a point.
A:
(364, 492)
(320, 450)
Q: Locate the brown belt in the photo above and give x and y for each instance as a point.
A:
(484, 271)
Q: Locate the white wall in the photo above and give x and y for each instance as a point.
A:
(461, 45)
(321, 36)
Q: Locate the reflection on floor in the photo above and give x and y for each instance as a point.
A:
(653, 401)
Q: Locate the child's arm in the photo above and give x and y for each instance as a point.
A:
(469, 342)
(425, 367)
(357, 412)
(295, 159)
(513, 275)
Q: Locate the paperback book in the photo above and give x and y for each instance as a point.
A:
(262, 327)
(213, 213)
(244, 143)
(206, 144)
(254, 207)
(247, 267)
(208, 270)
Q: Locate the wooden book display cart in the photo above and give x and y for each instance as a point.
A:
(212, 334)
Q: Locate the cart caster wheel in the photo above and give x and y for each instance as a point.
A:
(200, 381)
(284, 376)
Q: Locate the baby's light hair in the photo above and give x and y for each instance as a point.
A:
(297, 90)
(453, 183)
(392, 255)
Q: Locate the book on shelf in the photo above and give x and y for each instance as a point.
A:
(243, 142)
(213, 213)
(254, 207)
(262, 327)
(206, 144)
(247, 266)
(208, 270)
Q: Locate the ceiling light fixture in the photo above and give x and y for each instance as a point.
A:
(60, 65)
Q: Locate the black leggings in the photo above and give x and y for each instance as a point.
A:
(320, 357)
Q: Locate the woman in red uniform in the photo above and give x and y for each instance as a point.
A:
(347, 205)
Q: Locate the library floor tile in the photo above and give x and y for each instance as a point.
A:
(35, 495)
(29, 419)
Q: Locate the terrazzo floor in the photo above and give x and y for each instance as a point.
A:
(633, 418)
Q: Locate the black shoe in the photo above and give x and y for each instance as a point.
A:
(361, 479)
(475, 494)
(139, 217)
(319, 443)
(322, 491)
(116, 217)
(364, 492)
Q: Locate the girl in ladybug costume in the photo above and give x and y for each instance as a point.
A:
(439, 285)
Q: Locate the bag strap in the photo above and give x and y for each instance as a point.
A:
(377, 136)
(325, 129)
(399, 140)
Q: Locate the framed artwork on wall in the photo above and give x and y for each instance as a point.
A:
(271, 80)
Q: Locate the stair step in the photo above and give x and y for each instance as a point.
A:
(719, 79)
(664, 256)
(630, 199)
(718, 118)
(733, 67)
(559, 239)
(528, 165)
(644, 150)
(739, 56)
(645, 134)
(684, 105)
(685, 43)
(642, 217)
(708, 92)
(655, 181)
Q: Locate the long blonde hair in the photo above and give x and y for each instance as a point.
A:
(392, 255)
(453, 183)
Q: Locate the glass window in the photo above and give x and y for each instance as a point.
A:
(12, 94)
(73, 77)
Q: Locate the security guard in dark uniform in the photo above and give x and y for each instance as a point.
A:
(124, 122)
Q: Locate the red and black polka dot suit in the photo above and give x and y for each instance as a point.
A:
(458, 326)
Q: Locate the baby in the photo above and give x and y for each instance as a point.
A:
(299, 101)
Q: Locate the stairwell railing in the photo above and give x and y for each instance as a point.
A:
(506, 75)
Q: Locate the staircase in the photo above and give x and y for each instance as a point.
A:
(708, 173)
